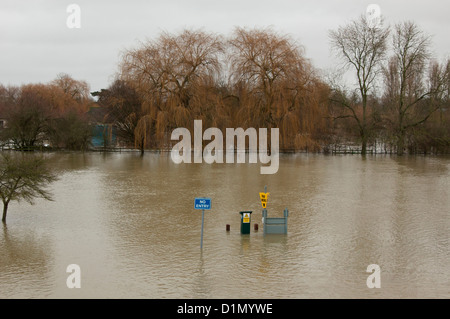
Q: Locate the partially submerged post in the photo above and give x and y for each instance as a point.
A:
(202, 203)
(264, 198)
(273, 225)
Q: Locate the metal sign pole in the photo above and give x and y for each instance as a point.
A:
(203, 204)
(203, 218)
(264, 212)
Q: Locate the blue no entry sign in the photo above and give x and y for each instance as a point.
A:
(202, 203)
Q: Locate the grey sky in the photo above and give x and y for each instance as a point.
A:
(36, 45)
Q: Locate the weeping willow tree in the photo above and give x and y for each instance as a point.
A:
(277, 87)
(170, 74)
(257, 78)
(142, 132)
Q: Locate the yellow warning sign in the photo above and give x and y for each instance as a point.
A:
(246, 218)
(264, 198)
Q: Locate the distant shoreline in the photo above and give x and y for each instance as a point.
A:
(163, 150)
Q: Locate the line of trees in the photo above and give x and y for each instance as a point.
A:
(414, 87)
(35, 115)
(256, 78)
(260, 78)
(253, 78)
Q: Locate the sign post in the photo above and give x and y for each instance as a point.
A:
(202, 203)
(273, 225)
(264, 199)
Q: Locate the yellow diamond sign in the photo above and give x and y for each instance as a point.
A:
(264, 198)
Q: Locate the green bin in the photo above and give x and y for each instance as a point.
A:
(246, 219)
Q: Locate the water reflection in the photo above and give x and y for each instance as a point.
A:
(25, 264)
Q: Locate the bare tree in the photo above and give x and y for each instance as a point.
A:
(169, 73)
(406, 88)
(362, 47)
(39, 112)
(261, 59)
(77, 90)
(183, 76)
(23, 177)
(275, 84)
(124, 109)
(439, 87)
(28, 117)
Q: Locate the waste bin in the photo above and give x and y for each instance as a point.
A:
(246, 218)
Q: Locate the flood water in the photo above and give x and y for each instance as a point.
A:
(130, 224)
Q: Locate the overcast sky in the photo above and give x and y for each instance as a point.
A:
(36, 44)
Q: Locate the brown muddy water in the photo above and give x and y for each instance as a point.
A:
(130, 225)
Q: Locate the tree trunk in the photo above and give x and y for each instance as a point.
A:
(400, 143)
(142, 147)
(5, 210)
(363, 142)
(364, 126)
(364, 146)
